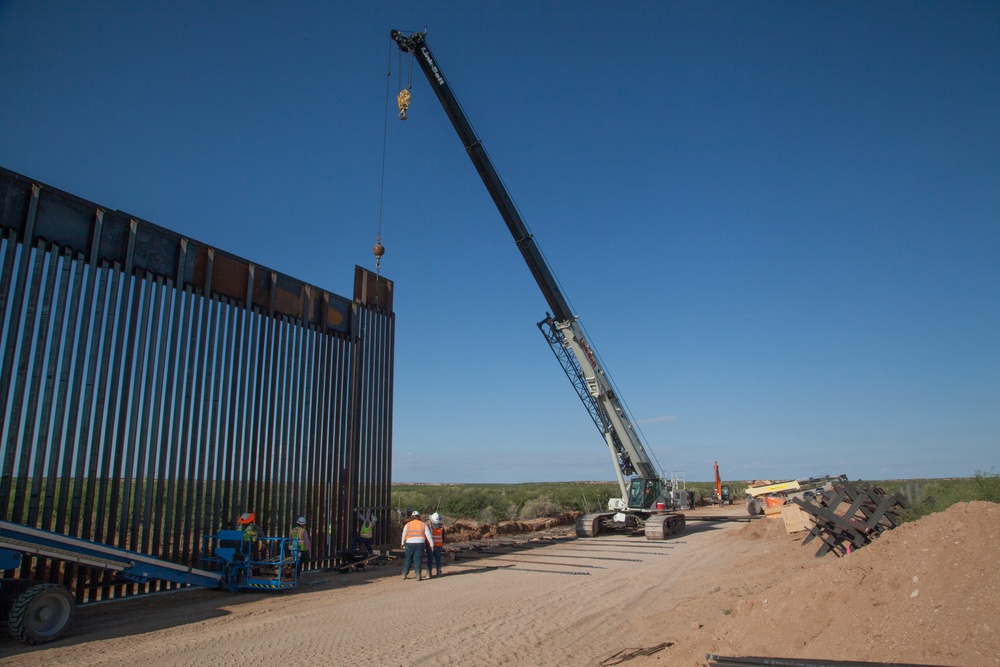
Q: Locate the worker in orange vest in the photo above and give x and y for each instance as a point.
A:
(435, 548)
(416, 535)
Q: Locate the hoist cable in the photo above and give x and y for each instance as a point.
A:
(385, 143)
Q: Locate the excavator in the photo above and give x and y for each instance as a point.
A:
(722, 494)
(648, 501)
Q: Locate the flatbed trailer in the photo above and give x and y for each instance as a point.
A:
(39, 612)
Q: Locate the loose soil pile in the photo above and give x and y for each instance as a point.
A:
(927, 592)
(463, 531)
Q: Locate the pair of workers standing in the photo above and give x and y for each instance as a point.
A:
(247, 523)
(419, 540)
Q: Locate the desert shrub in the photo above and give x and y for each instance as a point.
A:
(987, 485)
(489, 516)
(538, 508)
(468, 501)
(937, 495)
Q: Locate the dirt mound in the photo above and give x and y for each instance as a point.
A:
(926, 592)
(767, 528)
(471, 531)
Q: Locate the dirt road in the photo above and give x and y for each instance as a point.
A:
(715, 589)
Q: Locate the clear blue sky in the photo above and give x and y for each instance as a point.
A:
(779, 222)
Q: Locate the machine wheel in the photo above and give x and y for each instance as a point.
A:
(753, 507)
(41, 614)
(662, 526)
(589, 525)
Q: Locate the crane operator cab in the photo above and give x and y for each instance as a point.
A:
(644, 493)
(657, 495)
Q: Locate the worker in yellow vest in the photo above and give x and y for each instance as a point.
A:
(366, 534)
(416, 535)
(366, 537)
(436, 545)
(246, 522)
(300, 533)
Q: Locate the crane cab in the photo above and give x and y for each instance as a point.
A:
(644, 493)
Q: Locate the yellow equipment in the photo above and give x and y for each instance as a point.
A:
(764, 495)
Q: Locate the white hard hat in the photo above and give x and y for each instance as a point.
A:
(415, 513)
(436, 518)
(301, 521)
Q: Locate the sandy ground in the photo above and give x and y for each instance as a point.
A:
(927, 592)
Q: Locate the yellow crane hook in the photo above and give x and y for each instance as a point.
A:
(403, 100)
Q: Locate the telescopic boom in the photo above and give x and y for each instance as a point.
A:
(561, 328)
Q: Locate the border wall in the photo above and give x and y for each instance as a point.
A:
(152, 388)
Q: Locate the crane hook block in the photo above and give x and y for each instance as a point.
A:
(403, 99)
(378, 250)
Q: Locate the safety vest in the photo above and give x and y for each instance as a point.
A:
(249, 532)
(414, 528)
(438, 535)
(366, 530)
(297, 533)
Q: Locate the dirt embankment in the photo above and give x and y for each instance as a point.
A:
(927, 592)
(462, 531)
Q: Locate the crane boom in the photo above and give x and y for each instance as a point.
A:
(561, 328)
(477, 153)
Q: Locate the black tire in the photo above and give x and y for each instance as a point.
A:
(753, 507)
(41, 614)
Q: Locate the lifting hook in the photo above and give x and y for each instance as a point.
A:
(403, 99)
(379, 249)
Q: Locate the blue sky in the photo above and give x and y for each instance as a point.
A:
(779, 222)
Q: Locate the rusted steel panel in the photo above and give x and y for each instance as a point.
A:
(32, 212)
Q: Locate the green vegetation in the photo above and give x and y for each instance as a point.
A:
(490, 503)
(936, 495)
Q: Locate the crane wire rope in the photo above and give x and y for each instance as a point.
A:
(404, 100)
(379, 250)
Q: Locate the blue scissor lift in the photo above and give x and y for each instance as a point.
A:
(39, 612)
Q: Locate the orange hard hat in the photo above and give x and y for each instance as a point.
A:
(246, 517)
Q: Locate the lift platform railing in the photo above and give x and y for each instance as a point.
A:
(268, 563)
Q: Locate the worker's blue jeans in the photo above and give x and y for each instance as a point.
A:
(413, 554)
(434, 558)
(365, 542)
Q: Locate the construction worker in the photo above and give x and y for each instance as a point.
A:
(300, 533)
(436, 545)
(366, 534)
(245, 523)
(416, 535)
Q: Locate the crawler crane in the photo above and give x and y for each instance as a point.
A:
(647, 498)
